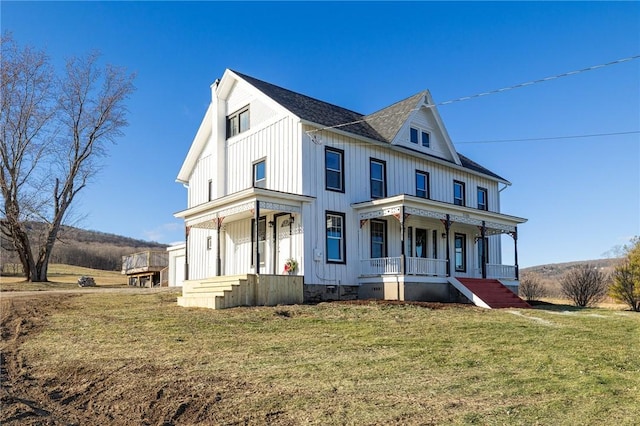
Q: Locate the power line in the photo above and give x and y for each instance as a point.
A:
(549, 138)
(491, 92)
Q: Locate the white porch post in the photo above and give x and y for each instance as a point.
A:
(256, 236)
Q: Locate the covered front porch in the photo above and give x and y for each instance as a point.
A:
(422, 240)
(254, 231)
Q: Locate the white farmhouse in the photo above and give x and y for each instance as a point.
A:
(344, 205)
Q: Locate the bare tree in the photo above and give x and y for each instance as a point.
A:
(585, 285)
(54, 131)
(531, 287)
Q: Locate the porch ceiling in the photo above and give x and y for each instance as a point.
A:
(241, 205)
(392, 206)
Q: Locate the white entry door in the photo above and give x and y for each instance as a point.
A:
(283, 242)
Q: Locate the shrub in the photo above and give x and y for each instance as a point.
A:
(626, 278)
(531, 287)
(585, 285)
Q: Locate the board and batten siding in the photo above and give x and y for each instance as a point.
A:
(400, 179)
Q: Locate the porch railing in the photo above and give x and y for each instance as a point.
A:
(425, 266)
(501, 271)
(380, 266)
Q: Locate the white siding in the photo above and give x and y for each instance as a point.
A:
(424, 120)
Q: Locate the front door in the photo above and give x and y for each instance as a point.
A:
(283, 242)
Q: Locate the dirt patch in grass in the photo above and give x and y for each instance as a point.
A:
(427, 305)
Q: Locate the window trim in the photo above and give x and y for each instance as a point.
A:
(463, 251)
(420, 133)
(485, 206)
(262, 182)
(210, 190)
(209, 243)
(384, 177)
(427, 184)
(341, 171)
(462, 186)
(385, 251)
(236, 115)
(343, 240)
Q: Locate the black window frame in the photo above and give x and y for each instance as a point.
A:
(385, 252)
(463, 195)
(384, 177)
(463, 252)
(424, 133)
(343, 239)
(234, 122)
(416, 131)
(427, 184)
(339, 152)
(484, 191)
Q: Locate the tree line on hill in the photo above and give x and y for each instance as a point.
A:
(78, 247)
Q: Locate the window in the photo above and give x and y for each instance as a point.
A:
(209, 243)
(425, 139)
(238, 122)
(378, 238)
(460, 252)
(482, 199)
(419, 136)
(377, 172)
(334, 166)
(422, 184)
(259, 174)
(262, 235)
(335, 237)
(210, 190)
(458, 193)
(413, 135)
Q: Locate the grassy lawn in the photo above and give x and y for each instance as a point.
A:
(64, 277)
(336, 363)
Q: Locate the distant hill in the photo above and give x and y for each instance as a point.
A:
(551, 274)
(79, 247)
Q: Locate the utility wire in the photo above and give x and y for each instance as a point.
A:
(549, 138)
(491, 92)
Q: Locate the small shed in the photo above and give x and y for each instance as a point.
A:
(143, 268)
(177, 259)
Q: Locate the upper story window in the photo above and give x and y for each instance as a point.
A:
(378, 179)
(422, 184)
(458, 193)
(334, 169)
(419, 136)
(238, 122)
(482, 199)
(260, 174)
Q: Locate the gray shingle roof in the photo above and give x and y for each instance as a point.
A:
(382, 125)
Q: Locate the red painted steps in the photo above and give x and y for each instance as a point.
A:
(493, 293)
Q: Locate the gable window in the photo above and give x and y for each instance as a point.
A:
(482, 199)
(413, 135)
(460, 257)
(422, 184)
(419, 136)
(334, 169)
(378, 229)
(377, 176)
(259, 174)
(238, 122)
(424, 137)
(458, 193)
(335, 237)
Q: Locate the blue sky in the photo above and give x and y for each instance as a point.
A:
(581, 196)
